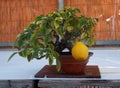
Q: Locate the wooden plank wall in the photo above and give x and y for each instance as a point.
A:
(16, 14)
(108, 12)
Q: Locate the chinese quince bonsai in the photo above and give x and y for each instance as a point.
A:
(48, 35)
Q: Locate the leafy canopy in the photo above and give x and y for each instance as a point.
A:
(47, 35)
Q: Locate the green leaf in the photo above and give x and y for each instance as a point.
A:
(50, 59)
(41, 52)
(43, 26)
(38, 18)
(55, 54)
(47, 39)
(23, 53)
(19, 43)
(83, 35)
(91, 41)
(36, 44)
(48, 31)
(59, 32)
(56, 25)
(36, 53)
(12, 56)
(58, 65)
(51, 46)
(47, 56)
(69, 28)
(59, 19)
(33, 37)
(29, 57)
(77, 10)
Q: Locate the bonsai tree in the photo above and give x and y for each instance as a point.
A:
(50, 34)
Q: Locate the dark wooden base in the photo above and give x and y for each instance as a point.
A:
(51, 72)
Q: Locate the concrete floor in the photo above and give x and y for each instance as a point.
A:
(107, 58)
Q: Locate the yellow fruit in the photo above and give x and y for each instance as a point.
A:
(80, 51)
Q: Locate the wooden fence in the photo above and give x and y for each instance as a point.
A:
(16, 14)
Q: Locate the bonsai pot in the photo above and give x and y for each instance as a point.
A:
(70, 65)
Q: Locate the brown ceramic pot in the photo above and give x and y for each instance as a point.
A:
(72, 66)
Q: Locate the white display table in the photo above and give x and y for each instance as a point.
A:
(107, 59)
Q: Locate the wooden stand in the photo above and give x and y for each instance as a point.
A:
(51, 72)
